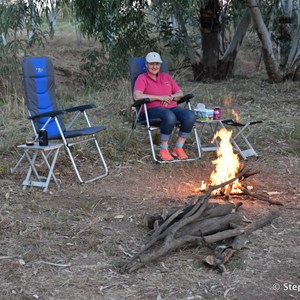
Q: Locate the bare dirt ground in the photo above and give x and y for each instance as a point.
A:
(70, 243)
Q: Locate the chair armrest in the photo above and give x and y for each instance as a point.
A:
(228, 121)
(139, 102)
(80, 108)
(185, 98)
(51, 114)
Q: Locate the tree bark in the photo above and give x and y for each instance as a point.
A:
(210, 28)
(295, 49)
(227, 61)
(284, 31)
(293, 62)
(187, 41)
(271, 64)
(54, 12)
(210, 225)
(211, 66)
(239, 241)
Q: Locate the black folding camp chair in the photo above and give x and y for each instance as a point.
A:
(240, 137)
(39, 86)
(137, 66)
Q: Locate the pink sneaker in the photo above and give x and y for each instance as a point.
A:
(179, 153)
(165, 155)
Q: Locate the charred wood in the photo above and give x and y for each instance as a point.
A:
(210, 226)
(250, 173)
(213, 209)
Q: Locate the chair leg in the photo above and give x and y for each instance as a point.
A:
(103, 163)
(129, 137)
(198, 143)
(152, 146)
(76, 168)
(15, 168)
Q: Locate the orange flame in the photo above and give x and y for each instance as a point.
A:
(203, 186)
(228, 104)
(236, 116)
(226, 165)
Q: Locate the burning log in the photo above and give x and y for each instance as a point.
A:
(227, 165)
(250, 173)
(243, 189)
(196, 224)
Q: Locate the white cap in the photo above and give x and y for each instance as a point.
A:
(153, 57)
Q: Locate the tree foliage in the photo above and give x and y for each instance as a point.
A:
(16, 21)
(204, 33)
(122, 27)
(201, 30)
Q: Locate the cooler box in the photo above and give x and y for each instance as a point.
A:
(204, 114)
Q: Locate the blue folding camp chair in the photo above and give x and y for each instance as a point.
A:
(137, 66)
(39, 86)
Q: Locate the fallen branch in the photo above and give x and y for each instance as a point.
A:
(55, 265)
(240, 241)
(7, 257)
(262, 197)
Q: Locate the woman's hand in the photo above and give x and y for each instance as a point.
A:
(166, 99)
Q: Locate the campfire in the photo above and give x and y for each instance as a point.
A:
(227, 166)
(216, 225)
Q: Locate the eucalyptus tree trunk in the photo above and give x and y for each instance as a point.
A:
(210, 28)
(3, 37)
(32, 29)
(54, 12)
(207, 68)
(293, 63)
(270, 61)
(75, 24)
(187, 41)
(211, 66)
(284, 31)
(227, 61)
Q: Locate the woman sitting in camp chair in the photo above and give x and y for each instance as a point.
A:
(164, 92)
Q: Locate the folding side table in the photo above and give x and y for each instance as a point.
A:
(33, 178)
(207, 130)
(240, 137)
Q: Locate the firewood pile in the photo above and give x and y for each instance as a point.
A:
(200, 223)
